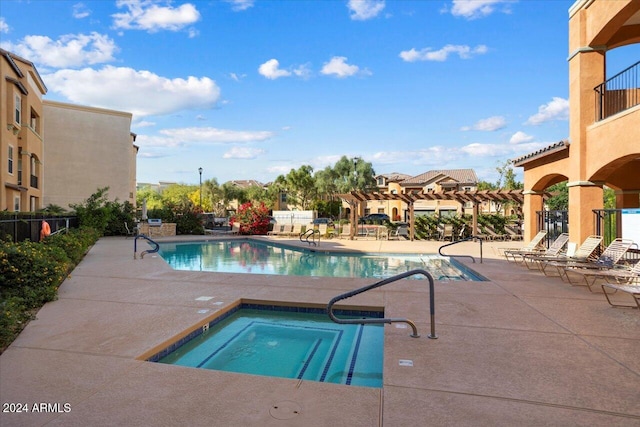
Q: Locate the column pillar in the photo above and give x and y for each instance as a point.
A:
(584, 197)
(533, 202)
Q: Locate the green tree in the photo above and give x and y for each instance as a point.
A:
(300, 186)
(559, 201)
(354, 174)
(154, 199)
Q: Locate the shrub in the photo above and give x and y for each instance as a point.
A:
(30, 274)
(253, 219)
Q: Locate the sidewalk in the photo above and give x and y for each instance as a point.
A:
(518, 350)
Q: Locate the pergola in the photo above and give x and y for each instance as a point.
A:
(476, 197)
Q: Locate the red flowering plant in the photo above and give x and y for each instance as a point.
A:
(252, 219)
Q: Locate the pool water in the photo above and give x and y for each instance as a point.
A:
(251, 256)
(298, 345)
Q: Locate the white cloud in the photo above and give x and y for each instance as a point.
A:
(239, 5)
(246, 153)
(436, 155)
(428, 54)
(556, 109)
(237, 77)
(80, 11)
(70, 50)
(215, 135)
(142, 93)
(490, 124)
(473, 9)
(149, 16)
(520, 137)
(143, 124)
(338, 66)
(4, 27)
(271, 70)
(361, 10)
(303, 71)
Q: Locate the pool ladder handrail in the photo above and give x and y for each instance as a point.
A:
(383, 282)
(310, 233)
(480, 239)
(150, 251)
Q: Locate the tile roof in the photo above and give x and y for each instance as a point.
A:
(395, 176)
(558, 146)
(462, 176)
(246, 183)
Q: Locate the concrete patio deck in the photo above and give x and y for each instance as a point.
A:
(518, 350)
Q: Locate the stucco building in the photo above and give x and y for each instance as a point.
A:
(603, 148)
(88, 148)
(21, 134)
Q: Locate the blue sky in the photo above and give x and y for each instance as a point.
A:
(249, 89)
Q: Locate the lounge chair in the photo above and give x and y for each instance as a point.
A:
(322, 229)
(619, 275)
(447, 232)
(533, 247)
(277, 229)
(632, 289)
(513, 235)
(491, 233)
(554, 250)
(345, 232)
(130, 232)
(235, 228)
(606, 263)
(610, 257)
(585, 252)
(296, 230)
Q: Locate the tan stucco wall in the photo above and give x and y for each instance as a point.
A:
(25, 139)
(600, 153)
(85, 149)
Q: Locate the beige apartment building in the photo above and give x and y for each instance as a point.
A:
(434, 181)
(21, 134)
(52, 153)
(603, 148)
(87, 148)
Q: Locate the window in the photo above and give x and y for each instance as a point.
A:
(380, 210)
(16, 203)
(381, 181)
(10, 160)
(18, 109)
(283, 197)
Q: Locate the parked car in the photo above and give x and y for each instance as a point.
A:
(327, 221)
(376, 218)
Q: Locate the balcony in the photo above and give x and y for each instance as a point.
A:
(619, 93)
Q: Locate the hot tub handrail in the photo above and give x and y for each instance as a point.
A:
(150, 251)
(383, 282)
(480, 239)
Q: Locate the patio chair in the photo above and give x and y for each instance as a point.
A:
(610, 257)
(619, 275)
(277, 229)
(513, 235)
(533, 247)
(606, 262)
(447, 232)
(492, 235)
(322, 229)
(632, 289)
(345, 231)
(583, 253)
(554, 250)
(235, 228)
(296, 230)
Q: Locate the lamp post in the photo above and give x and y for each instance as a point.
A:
(200, 171)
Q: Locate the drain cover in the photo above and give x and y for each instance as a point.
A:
(285, 410)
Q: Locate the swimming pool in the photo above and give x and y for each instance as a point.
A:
(257, 257)
(299, 343)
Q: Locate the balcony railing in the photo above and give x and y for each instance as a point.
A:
(34, 181)
(618, 93)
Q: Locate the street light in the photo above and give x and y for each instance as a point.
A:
(200, 171)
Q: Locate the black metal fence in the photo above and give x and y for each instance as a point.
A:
(618, 93)
(20, 227)
(555, 222)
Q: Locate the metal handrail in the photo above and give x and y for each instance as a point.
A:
(151, 251)
(462, 256)
(310, 233)
(386, 281)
